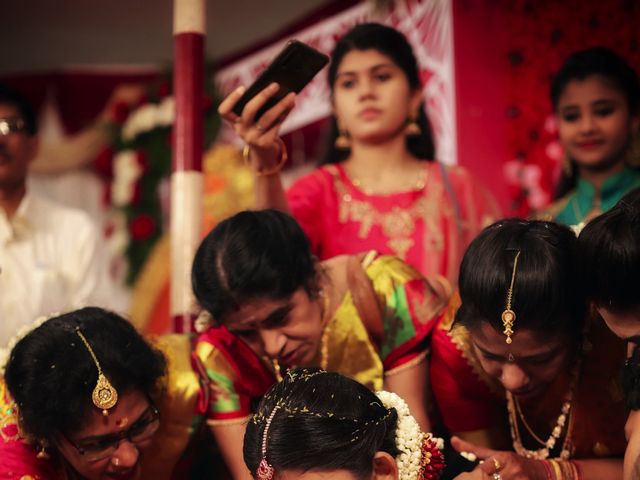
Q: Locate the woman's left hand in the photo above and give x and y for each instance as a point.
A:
(500, 465)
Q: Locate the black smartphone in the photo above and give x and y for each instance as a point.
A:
(293, 68)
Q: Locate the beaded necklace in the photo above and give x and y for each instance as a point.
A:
(565, 419)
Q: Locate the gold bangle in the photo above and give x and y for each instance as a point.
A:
(557, 471)
(276, 168)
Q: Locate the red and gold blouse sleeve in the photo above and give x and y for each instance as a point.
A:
(235, 375)
(18, 458)
(467, 398)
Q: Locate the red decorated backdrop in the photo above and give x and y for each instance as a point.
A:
(505, 52)
(541, 34)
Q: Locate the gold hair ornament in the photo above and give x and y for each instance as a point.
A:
(508, 315)
(265, 469)
(104, 395)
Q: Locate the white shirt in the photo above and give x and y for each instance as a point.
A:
(51, 261)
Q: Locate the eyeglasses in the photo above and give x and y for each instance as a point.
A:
(11, 125)
(104, 447)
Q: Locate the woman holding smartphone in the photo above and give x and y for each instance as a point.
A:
(379, 187)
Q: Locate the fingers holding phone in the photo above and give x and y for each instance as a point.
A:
(267, 124)
(257, 112)
(260, 134)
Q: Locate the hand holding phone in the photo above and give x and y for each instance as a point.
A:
(292, 69)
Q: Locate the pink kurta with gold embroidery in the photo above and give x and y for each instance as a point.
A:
(429, 227)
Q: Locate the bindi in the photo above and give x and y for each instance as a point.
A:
(123, 422)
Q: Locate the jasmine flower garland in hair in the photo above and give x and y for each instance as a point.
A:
(420, 455)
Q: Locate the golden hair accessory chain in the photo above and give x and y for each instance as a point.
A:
(104, 395)
(508, 315)
(265, 469)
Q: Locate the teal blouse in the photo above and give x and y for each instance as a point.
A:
(585, 197)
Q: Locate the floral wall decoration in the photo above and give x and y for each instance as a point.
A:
(136, 168)
(542, 34)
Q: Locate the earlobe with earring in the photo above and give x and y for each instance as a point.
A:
(42, 452)
(342, 141)
(413, 128)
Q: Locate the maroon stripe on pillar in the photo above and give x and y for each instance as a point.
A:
(188, 80)
(184, 323)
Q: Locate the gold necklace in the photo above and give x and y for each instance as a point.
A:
(324, 342)
(420, 184)
(564, 419)
(526, 424)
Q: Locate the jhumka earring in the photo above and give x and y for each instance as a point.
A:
(508, 315)
(265, 469)
(42, 452)
(413, 128)
(104, 395)
(342, 141)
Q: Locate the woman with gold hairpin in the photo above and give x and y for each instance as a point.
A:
(522, 332)
(84, 396)
(317, 425)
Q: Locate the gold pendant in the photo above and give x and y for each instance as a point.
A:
(104, 396)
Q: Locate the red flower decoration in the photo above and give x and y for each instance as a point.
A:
(137, 194)
(164, 89)
(106, 195)
(120, 112)
(142, 227)
(432, 460)
(104, 163)
(143, 160)
(144, 98)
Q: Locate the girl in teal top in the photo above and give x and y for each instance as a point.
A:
(596, 99)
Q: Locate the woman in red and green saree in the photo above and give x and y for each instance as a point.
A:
(273, 307)
(528, 366)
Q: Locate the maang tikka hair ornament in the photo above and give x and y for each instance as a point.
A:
(508, 315)
(104, 395)
(265, 469)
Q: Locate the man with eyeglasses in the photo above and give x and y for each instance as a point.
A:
(50, 255)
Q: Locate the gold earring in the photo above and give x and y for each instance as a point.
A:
(413, 128)
(342, 141)
(42, 453)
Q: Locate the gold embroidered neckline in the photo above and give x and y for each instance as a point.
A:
(398, 224)
(417, 186)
